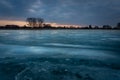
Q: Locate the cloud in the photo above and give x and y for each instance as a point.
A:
(36, 7)
(97, 12)
(6, 4)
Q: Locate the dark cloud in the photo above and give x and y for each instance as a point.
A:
(96, 12)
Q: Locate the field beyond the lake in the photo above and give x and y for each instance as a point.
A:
(59, 55)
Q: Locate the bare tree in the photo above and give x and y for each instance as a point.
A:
(29, 22)
(40, 22)
(35, 22)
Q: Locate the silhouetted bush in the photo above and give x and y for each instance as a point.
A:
(107, 27)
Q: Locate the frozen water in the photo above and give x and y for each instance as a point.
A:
(59, 55)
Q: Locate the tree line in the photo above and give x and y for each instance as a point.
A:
(38, 23)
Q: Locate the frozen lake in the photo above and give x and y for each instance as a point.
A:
(59, 55)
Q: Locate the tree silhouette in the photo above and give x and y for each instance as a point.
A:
(47, 26)
(118, 25)
(90, 27)
(35, 22)
(40, 22)
(107, 27)
(31, 22)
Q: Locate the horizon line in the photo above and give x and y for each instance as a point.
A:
(23, 23)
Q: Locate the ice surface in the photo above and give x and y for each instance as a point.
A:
(59, 55)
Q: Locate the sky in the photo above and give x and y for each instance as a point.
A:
(73, 12)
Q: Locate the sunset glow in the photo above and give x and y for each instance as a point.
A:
(22, 23)
(9, 22)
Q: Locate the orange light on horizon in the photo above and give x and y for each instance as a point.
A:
(9, 22)
(22, 23)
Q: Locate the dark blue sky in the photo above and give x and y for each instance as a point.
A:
(80, 12)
